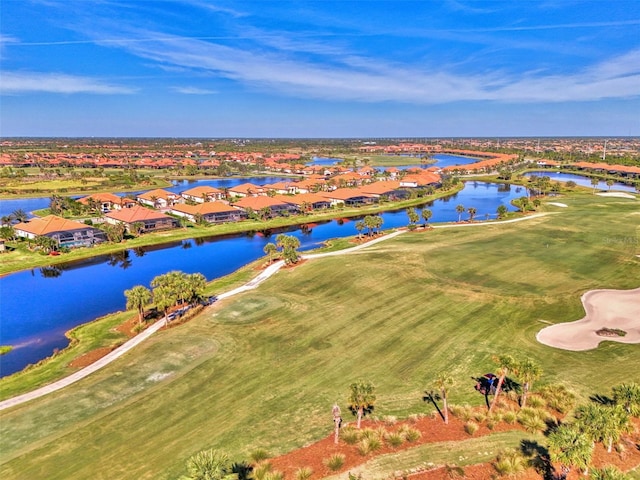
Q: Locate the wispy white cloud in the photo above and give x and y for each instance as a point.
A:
(194, 91)
(12, 83)
(352, 77)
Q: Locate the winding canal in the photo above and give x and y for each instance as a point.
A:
(40, 305)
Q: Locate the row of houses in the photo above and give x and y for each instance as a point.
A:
(160, 209)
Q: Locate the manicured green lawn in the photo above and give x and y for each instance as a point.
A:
(263, 369)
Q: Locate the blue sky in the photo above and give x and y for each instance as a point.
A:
(419, 68)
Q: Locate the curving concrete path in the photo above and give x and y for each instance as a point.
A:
(265, 274)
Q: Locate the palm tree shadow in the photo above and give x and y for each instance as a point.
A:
(539, 459)
(602, 399)
(243, 470)
(433, 397)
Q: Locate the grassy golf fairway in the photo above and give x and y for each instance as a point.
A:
(262, 370)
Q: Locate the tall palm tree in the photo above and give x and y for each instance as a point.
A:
(472, 213)
(460, 209)
(20, 215)
(361, 399)
(360, 226)
(528, 371)
(426, 215)
(603, 423)
(137, 298)
(413, 216)
(570, 447)
(506, 364)
(443, 382)
(270, 249)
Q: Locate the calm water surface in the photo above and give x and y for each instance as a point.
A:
(38, 306)
(580, 180)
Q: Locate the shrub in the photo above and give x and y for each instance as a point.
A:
(334, 462)
(536, 401)
(454, 471)
(471, 427)
(259, 455)
(510, 463)
(510, 417)
(479, 417)
(412, 435)
(261, 470)
(350, 435)
(368, 445)
(608, 473)
(394, 439)
(558, 397)
(414, 417)
(512, 395)
(532, 419)
(464, 412)
(390, 419)
(304, 473)
(369, 433)
(275, 475)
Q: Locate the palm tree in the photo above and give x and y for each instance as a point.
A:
(501, 211)
(506, 364)
(361, 399)
(138, 297)
(610, 183)
(570, 447)
(628, 395)
(270, 249)
(443, 382)
(426, 215)
(608, 473)
(210, 465)
(603, 423)
(472, 213)
(20, 215)
(594, 182)
(460, 209)
(370, 223)
(289, 245)
(360, 226)
(528, 371)
(413, 216)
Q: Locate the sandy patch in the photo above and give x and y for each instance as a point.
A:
(614, 309)
(616, 194)
(557, 204)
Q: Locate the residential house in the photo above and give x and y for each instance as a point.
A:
(67, 233)
(151, 220)
(390, 189)
(211, 212)
(203, 194)
(246, 190)
(108, 201)
(158, 198)
(263, 203)
(305, 201)
(348, 196)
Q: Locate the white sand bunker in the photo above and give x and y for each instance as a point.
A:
(616, 194)
(557, 204)
(606, 309)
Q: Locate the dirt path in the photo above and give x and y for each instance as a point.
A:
(265, 274)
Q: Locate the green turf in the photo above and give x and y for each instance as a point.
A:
(263, 369)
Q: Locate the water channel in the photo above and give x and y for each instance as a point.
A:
(40, 305)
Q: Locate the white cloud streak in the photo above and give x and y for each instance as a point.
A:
(194, 91)
(14, 83)
(349, 77)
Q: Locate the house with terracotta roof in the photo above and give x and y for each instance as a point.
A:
(211, 212)
(108, 201)
(151, 220)
(284, 188)
(158, 198)
(305, 201)
(203, 194)
(422, 179)
(67, 233)
(390, 189)
(246, 190)
(259, 203)
(348, 196)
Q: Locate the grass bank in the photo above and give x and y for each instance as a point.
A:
(262, 369)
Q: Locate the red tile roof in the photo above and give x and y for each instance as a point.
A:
(136, 214)
(49, 224)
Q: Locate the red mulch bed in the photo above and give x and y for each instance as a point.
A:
(434, 430)
(88, 358)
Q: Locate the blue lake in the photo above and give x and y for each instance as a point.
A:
(580, 180)
(40, 305)
(442, 160)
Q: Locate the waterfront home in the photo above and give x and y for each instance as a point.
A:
(351, 197)
(150, 220)
(108, 201)
(158, 198)
(305, 201)
(211, 212)
(390, 189)
(203, 194)
(421, 179)
(246, 190)
(264, 203)
(284, 188)
(67, 233)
